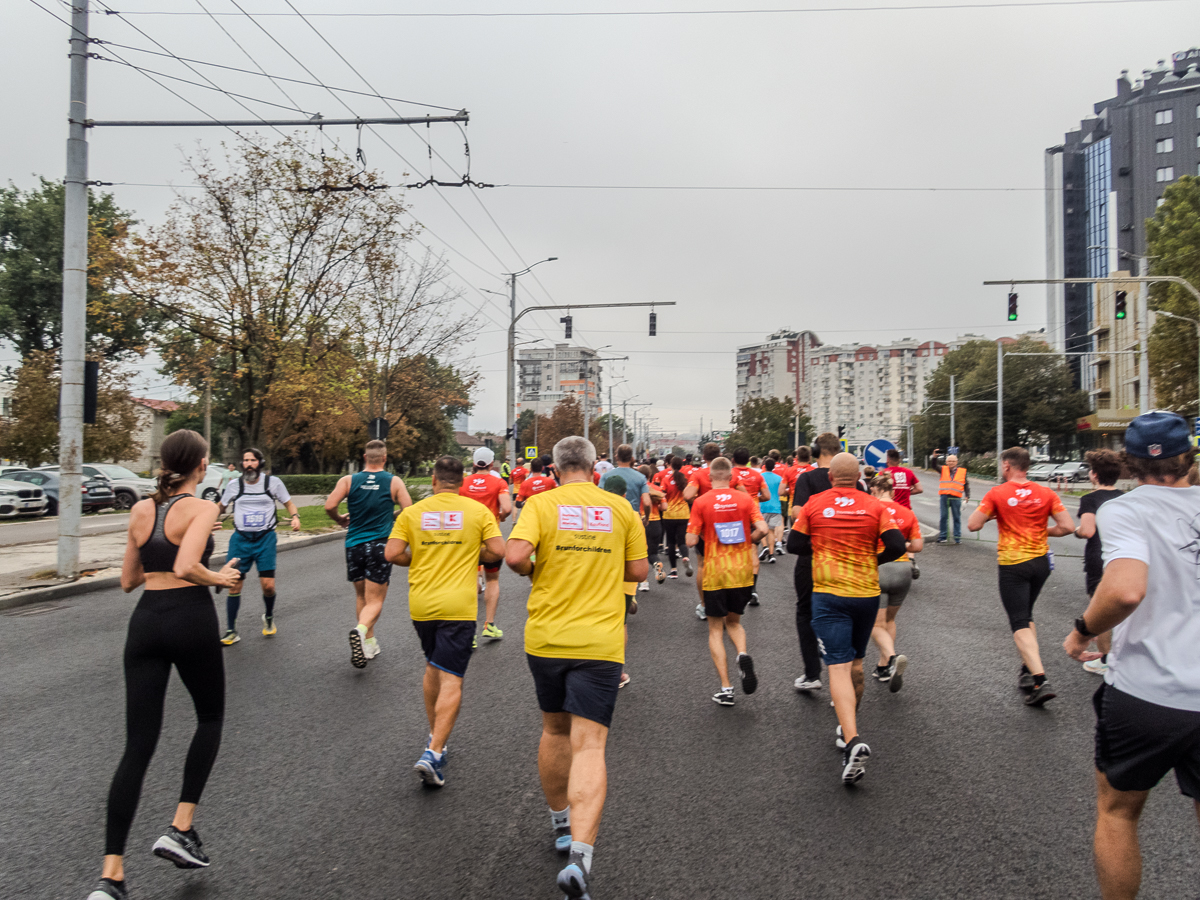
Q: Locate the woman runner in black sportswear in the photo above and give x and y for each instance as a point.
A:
(174, 624)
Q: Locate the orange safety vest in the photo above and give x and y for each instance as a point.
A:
(955, 486)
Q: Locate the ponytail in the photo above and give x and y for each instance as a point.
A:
(181, 453)
(677, 477)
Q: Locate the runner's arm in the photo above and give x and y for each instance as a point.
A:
(336, 496)
(893, 546)
(398, 552)
(759, 531)
(400, 493)
(978, 519)
(493, 550)
(187, 561)
(916, 486)
(1087, 526)
(1119, 593)
(637, 569)
(917, 544)
(690, 493)
(764, 492)
(132, 574)
(517, 554)
(1063, 524)
(505, 501)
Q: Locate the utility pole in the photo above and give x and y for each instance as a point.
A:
(952, 444)
(74, 304)
(1143, 314)
(999, 406)
(208, 413)
(610, 421)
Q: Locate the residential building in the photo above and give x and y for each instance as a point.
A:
(150, 432)
(777, 367)
(545, 376)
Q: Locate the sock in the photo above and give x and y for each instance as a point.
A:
(1104, 659)
(755, 584)
(232, 604)
(1039, 680)
(269, 603)
(436, 755)
(561, 819)
(586, 850)
(114, 882)
(362, 630)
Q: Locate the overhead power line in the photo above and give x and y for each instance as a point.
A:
(767, 187)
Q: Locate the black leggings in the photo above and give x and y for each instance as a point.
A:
(654, 533)
(172, 627)
(810, 650)
(1020, 585)
(675, 531)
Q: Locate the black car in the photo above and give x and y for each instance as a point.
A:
(97, 492)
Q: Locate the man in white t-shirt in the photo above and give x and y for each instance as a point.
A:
(1148, 709)
(602, 465)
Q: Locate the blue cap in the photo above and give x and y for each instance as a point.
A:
(1157, 435)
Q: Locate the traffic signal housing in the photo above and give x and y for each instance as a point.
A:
(1120, 309)
(1012, 307)
(653, 324)
(566, 321)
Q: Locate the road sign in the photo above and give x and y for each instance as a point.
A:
(378, 429)
(845, 445)
(1197, 424)
(531, 453)
(875, 453)
(952, 451)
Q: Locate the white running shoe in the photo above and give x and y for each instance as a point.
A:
(700, 614)
(371, 648)
(1095, 666)
(644, 586)
(803, 684)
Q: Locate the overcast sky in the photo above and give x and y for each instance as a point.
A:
(844, 101)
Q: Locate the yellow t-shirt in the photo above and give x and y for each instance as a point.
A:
(583, 537)
(445, 532)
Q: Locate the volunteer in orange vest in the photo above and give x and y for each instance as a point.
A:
(953, 487)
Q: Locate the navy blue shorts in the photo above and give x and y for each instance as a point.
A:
(447, 643)
(583, 687)
(365, 562)
(843, 625)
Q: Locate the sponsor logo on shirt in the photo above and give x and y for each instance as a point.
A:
(585, 518)
(844, 501)
(442, 521)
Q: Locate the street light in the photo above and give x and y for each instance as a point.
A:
(510, 440)
(1170, 315)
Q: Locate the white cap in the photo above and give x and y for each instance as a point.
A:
(484, 456)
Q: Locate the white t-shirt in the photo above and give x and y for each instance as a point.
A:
(602, 466)
(255, 510)
(1156, 651)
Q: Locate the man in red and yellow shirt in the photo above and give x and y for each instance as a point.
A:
(519, 474)
(1021, 508)
(729, 523)
(491, 490)
(536, 483)
(841, 528)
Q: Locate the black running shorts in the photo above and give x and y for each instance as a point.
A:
(491, 567)
(1020, 585)
(1138, 742)
(447, 643)
(718, 604)
(582, 687)
(365, 562)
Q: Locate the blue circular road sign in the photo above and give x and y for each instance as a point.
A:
(875, 453)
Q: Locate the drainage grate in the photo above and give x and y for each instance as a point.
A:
(35, 609)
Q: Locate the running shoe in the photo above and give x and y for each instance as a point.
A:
(882, 673)
(724, 697)
(916, 570)
(700, 614)
(572, 880)
(644, 586)
(1025, 679)
(687, 567)
(230, 638)
(474, 642)
(625, 679)
(754, 598)
(839, 741)
(632, 606)
(1095, 666)
(804, 683)
(771, 559)
(749, 679)
(358, 655)
(107, 889)
(674, 573)
(269, 628)
(659, 575)
(940, 541)
(762, 554)
(491, 632)
(181, 848)
(562, 838)
(896, 668)
(779, 548)
(445, 749)
(429, 767)
(854, 759)
(371, 648)
(1040, 694)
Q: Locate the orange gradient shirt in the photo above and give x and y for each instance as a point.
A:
(845, 526)
(485, 487)
(535, 484)
(724, 517)
(1021, 510)
(906, 521)
(676, 507)
(519, 474)
(750, 480)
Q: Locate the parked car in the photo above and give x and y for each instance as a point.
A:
(128, 487)
(4, 470)
(1041, 472)
(20, 499)
(97, 492)
(1071, 471)
(210, 487)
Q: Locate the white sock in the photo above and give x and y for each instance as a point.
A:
(560, 819)
(586, 850)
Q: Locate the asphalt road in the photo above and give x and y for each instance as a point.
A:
(969, 794)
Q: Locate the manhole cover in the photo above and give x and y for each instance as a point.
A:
(35, 609)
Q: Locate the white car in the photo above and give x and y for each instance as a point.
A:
(210, 487)
(20, 499)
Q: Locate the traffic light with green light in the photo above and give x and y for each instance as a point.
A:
(1121, 297)
(1012, 307)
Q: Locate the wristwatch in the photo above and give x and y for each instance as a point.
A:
(1081, 627)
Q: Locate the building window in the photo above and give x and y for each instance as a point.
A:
(1158, 202)
(1164, 117)
(1164, 173)
(1164, 145)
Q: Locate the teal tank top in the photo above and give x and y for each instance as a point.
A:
(370, 506)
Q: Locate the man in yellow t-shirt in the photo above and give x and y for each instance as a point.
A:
(442, 540)
(588, 543)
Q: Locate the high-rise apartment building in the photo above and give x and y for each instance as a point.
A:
(778, 367)
(546, 376)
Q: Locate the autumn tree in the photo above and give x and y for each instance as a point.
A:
(1173, 243)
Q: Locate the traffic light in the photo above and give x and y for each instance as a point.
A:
(508, 434)
(566, 321)
(653, 324)
(841, 431)
(1121, 295)
(1012, 307)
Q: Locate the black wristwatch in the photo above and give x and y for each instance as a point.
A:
(1081, 627)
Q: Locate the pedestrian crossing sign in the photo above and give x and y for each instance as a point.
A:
(531, 453)
(845, 445)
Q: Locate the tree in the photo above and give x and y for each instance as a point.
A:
(31, 434)
(31, 261)
(766, 423)
(1173, 242)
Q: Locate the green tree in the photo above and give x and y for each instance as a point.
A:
(1173, 242)
(766, 423)
(31, 261)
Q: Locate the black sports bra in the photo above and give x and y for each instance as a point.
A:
(158, 553)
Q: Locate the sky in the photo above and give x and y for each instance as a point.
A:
(859, 113)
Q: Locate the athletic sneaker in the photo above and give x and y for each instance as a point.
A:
(674, 573)
(700, 612)
(268, 625)
(230, 638)
(1095, 666)
(562, 838)
(572, 880)
(445, 749)
(429, 767)
(896, 667)
(762, 554)
(749, 679)
(807, 684)
(107, 889)
(724, 696)
(371, 648)
(882, 673)
(474, 642)
(644, 586)
(358, 656)
(1024, 679)
(771, 559)
(181, 848)
(659, 575)
(1040, 694)
(625, 679)
(492, 632)
(687, 567)
(854, 759)
(839, 741)
(916, 570)
(779, 548)
(754, 598)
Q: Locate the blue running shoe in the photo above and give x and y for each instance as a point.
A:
(430, 769)
(572, 880)
(562, 839)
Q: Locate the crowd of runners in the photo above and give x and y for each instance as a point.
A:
(592, 533)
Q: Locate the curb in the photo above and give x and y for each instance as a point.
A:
(87, 586)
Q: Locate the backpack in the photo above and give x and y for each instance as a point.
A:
(267, 491)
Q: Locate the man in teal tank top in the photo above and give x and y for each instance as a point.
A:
(370, 496)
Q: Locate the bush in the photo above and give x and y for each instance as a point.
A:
(308, 484)
(982, 466)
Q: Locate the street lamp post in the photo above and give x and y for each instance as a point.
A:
(510, 442)
(1170, 315)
